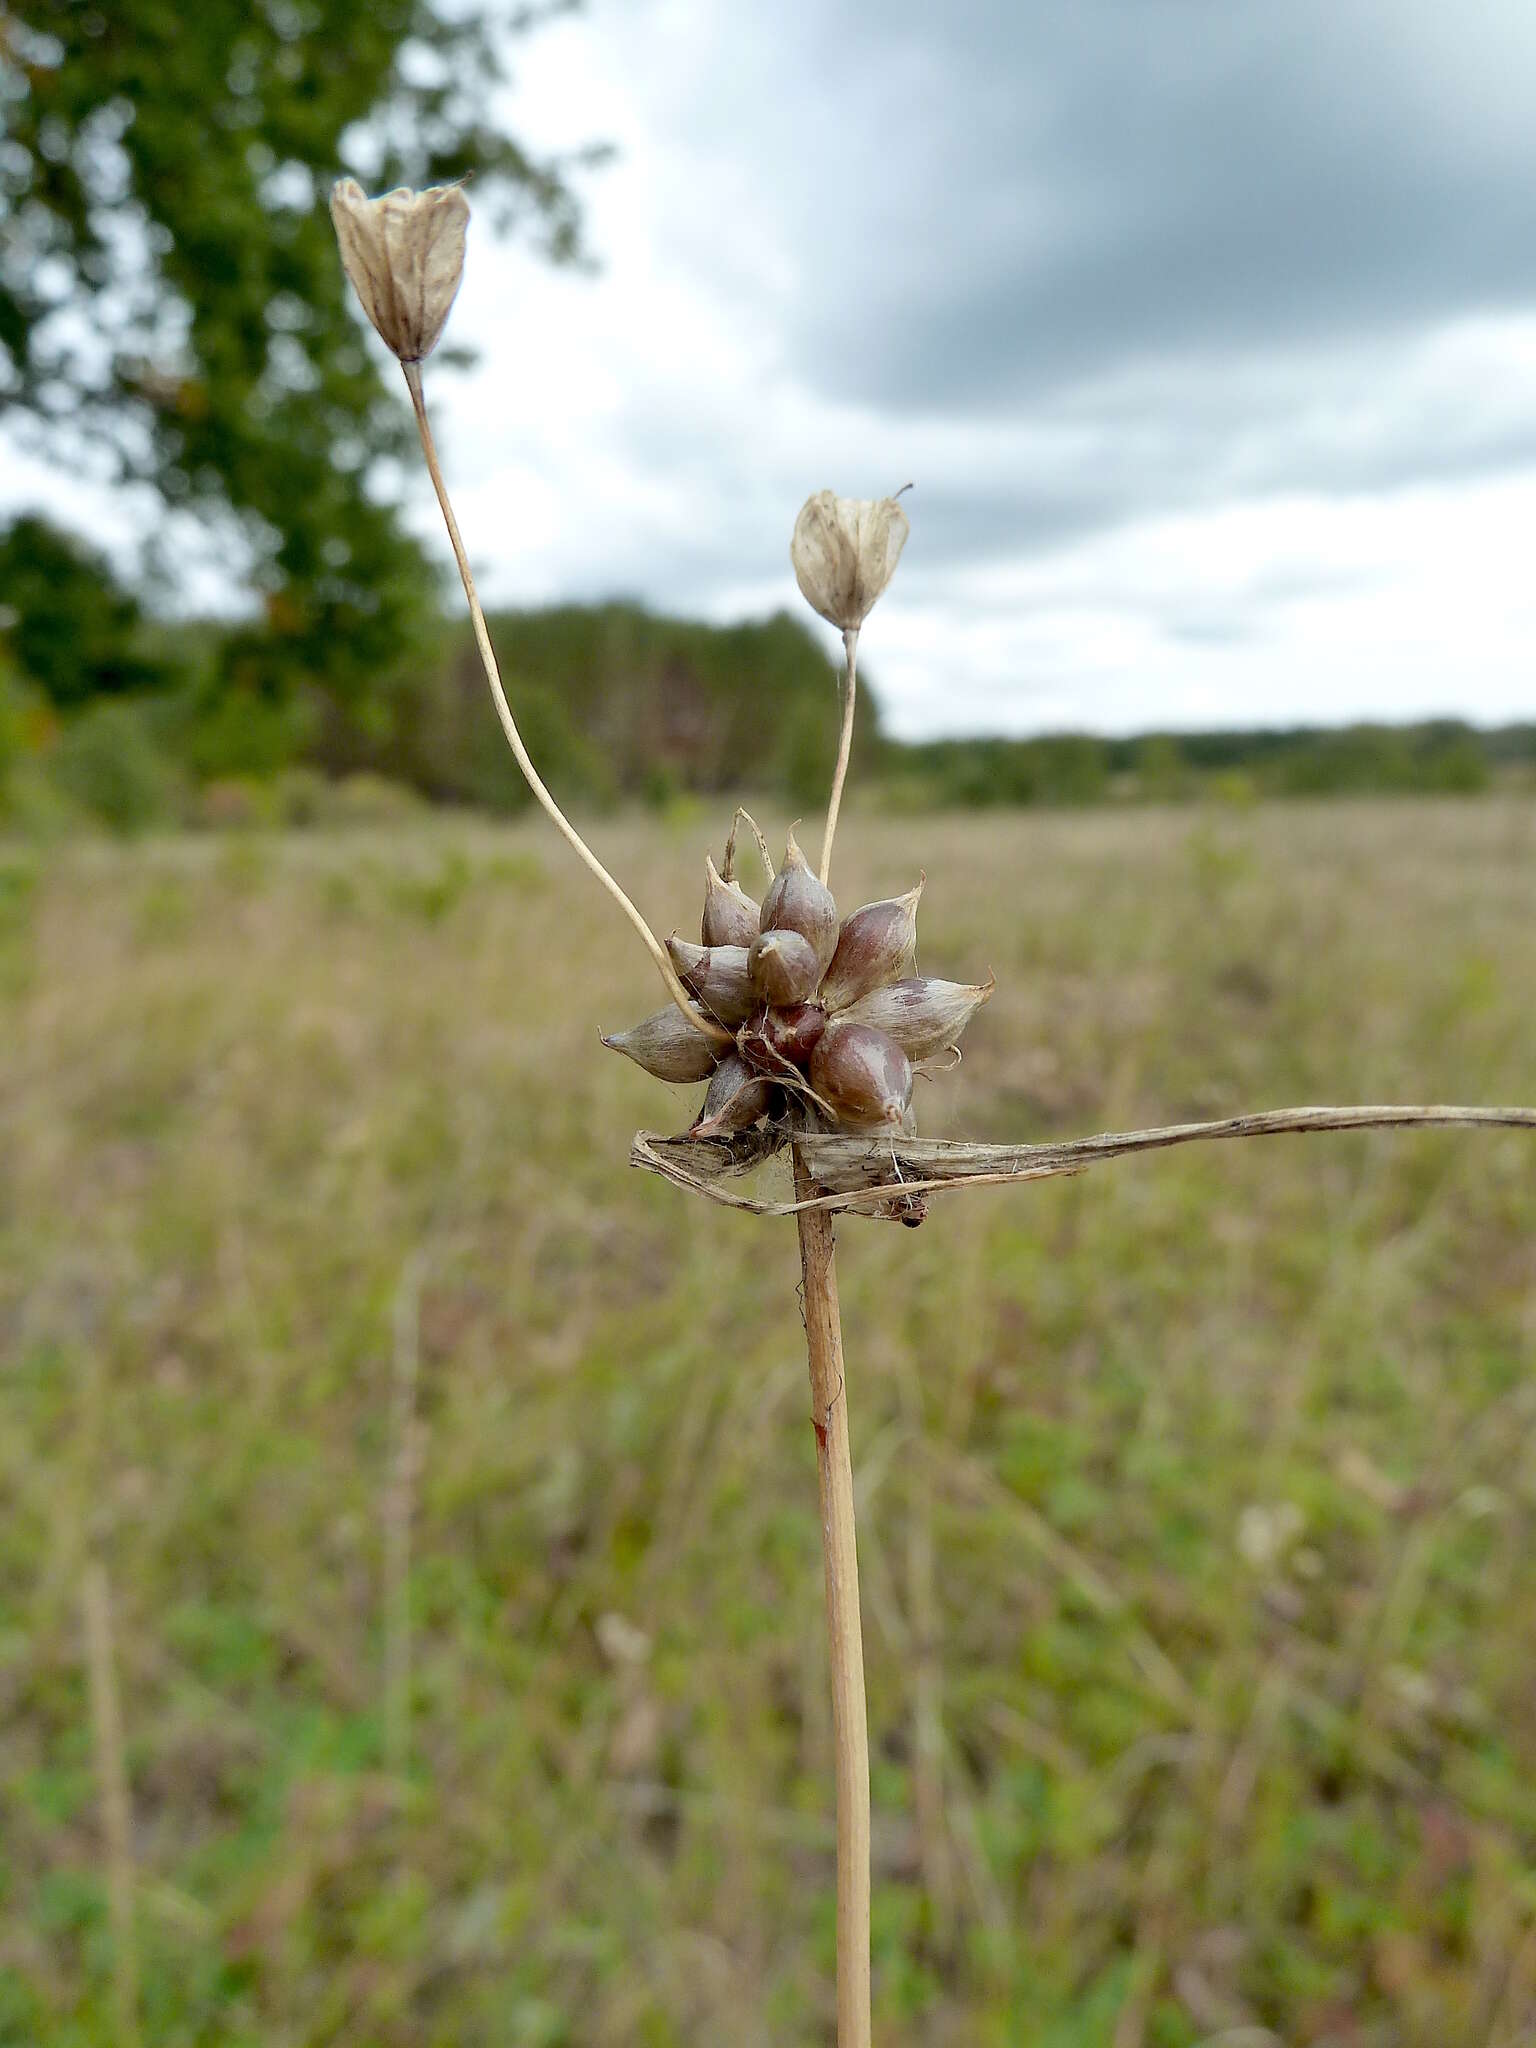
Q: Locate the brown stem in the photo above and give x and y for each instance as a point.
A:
(862, 1168)
(845, 1641)
(531, 776)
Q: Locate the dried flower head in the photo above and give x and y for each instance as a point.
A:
(844, 552)
(405, 255)
(828, 1015)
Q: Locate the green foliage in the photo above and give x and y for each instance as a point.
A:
(1442, 757)
(1196, 1502)
(72, 628)
(108, 764)
(163, 176)
(615, 701)
(1064, 768)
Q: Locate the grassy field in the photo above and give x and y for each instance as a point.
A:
(1197, 1495)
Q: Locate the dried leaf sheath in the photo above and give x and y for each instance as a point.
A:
(898, 1167)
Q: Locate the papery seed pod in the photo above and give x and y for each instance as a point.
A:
(734, 1101)
(718, 976)
(667, 1046)
(924, 1017)
(783, 966)
(863, 1076)
(800, 902)
(876, 945)
(844, 552)
(405, 255)
(731, 918)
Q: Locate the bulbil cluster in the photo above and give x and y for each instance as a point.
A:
(828, 1013)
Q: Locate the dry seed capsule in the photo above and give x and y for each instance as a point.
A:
(667, 1046)
(783, 967)
(862, 1076)
(736, 1098)
(799, 902)
(718, 976)
(875, 945)
(731, 918)
(924, 1017)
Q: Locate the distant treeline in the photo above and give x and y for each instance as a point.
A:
(108, 713)
(1438, 756)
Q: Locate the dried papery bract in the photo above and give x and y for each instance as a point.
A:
(405, 256)
(844, 552)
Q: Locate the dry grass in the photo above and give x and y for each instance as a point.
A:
(1196, 1497)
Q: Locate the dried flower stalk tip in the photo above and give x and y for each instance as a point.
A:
(844, 552)
(731, 918)
(877, 944)
(405, 255)
(667, 1046)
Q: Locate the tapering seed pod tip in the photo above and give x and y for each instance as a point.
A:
(877, 944)
(666, 1045)
(799, 901)
(924, 1016)
(730, 918)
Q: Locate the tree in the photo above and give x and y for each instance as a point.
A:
(169, 288)
(73, 629)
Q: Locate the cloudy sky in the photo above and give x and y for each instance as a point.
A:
(1205, 332)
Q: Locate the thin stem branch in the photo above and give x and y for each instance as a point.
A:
(531, 776)
(844, 747)
(845, 1641)
(859, 1169)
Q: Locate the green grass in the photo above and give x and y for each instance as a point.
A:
(1197, 1495)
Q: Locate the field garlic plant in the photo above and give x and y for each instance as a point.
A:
(808, 1028)
(829, 1017)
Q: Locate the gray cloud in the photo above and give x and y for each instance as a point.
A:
(1046, 193)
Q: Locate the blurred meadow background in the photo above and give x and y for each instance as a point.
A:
(410, 1578)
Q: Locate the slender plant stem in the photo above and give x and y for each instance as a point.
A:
(844, 746)
(845, 1641)
(531, 776)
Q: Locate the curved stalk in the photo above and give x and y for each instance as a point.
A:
(531, 776)
(844, 746)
